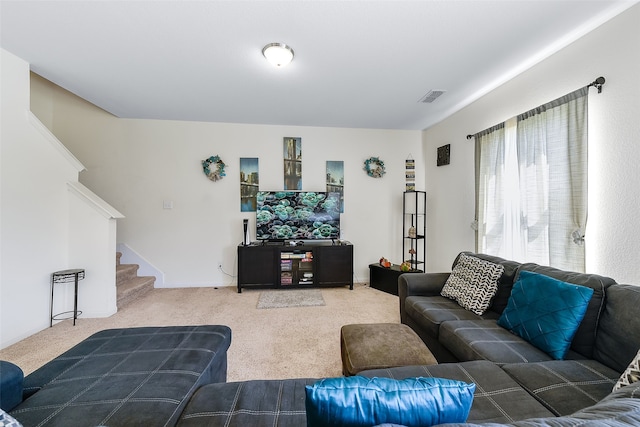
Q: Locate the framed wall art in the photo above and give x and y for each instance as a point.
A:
(444, 153)
(292, 163)
(335, 180)
(249, 183)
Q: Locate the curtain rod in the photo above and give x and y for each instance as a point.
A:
(597, 83)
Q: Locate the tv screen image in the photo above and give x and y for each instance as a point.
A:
(297, 215)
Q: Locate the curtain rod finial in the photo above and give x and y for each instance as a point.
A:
(597, 83)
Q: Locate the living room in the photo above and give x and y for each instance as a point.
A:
(133, 165)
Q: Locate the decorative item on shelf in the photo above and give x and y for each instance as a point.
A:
(413, 253)
(385, 262)
(218, 173)
(374, 167)
(412, 232)
(405, 267)
(410, 173)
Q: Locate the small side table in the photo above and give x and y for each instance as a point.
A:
(66, 276)
(386, 279)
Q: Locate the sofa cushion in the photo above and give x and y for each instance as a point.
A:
(584, 339)
(564, 386)
(429, 312)
(619, 409)
(545, 311)
(485, 339)
(498, 397)
(248, 403)
(473, 283)
(412, 402)
(618, 338)
(129, 376)
(631, 374)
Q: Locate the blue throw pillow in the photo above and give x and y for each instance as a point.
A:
(545, 311)
(359, 401)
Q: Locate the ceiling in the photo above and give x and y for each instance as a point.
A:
(358, 64)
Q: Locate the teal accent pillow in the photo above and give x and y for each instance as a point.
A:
(359, 401)
(545, 311)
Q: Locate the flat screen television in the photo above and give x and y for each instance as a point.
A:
(297, 215)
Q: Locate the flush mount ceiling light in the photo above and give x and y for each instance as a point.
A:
(279, 54)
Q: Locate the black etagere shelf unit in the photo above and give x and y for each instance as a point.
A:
(414, 229)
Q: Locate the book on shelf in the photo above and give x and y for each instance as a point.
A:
(286, 278)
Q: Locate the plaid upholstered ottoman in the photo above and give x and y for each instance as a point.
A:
(381, 345)
(126, 377)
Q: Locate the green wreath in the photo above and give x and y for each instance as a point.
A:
(374, 167)
(216, 174)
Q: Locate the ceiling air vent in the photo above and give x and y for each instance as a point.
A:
(431, 96)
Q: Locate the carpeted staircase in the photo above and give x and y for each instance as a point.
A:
(129, 285)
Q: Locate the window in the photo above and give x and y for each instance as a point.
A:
(531, 185)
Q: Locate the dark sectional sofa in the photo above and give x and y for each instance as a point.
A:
(516, 383)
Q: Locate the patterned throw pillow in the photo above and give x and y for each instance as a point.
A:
(473, 283)
(631, 374)
(7, 420)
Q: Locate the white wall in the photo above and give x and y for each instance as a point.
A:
(43, 228)
(33, 226)
(34, 210)
(92, 243)
(135, 165)
(613, 235)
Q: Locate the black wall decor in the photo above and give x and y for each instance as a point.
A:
(444, 153)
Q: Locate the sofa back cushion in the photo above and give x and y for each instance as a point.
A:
(618, 337)
(505, 282)
(584, 339)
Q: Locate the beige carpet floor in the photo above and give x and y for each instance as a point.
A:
(275, 343)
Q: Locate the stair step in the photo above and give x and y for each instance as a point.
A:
(125, 272)
(130, 286)
(133, 289)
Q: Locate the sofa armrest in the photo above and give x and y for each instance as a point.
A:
(11, 385)
(419, 284)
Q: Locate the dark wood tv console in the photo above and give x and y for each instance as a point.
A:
(287, 266)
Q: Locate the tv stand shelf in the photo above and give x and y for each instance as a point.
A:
(299, 266)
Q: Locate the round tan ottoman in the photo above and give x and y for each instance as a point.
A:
(381, 345)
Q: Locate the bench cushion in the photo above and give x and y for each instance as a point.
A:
(124, 377)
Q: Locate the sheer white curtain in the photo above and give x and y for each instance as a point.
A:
(531, 185)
